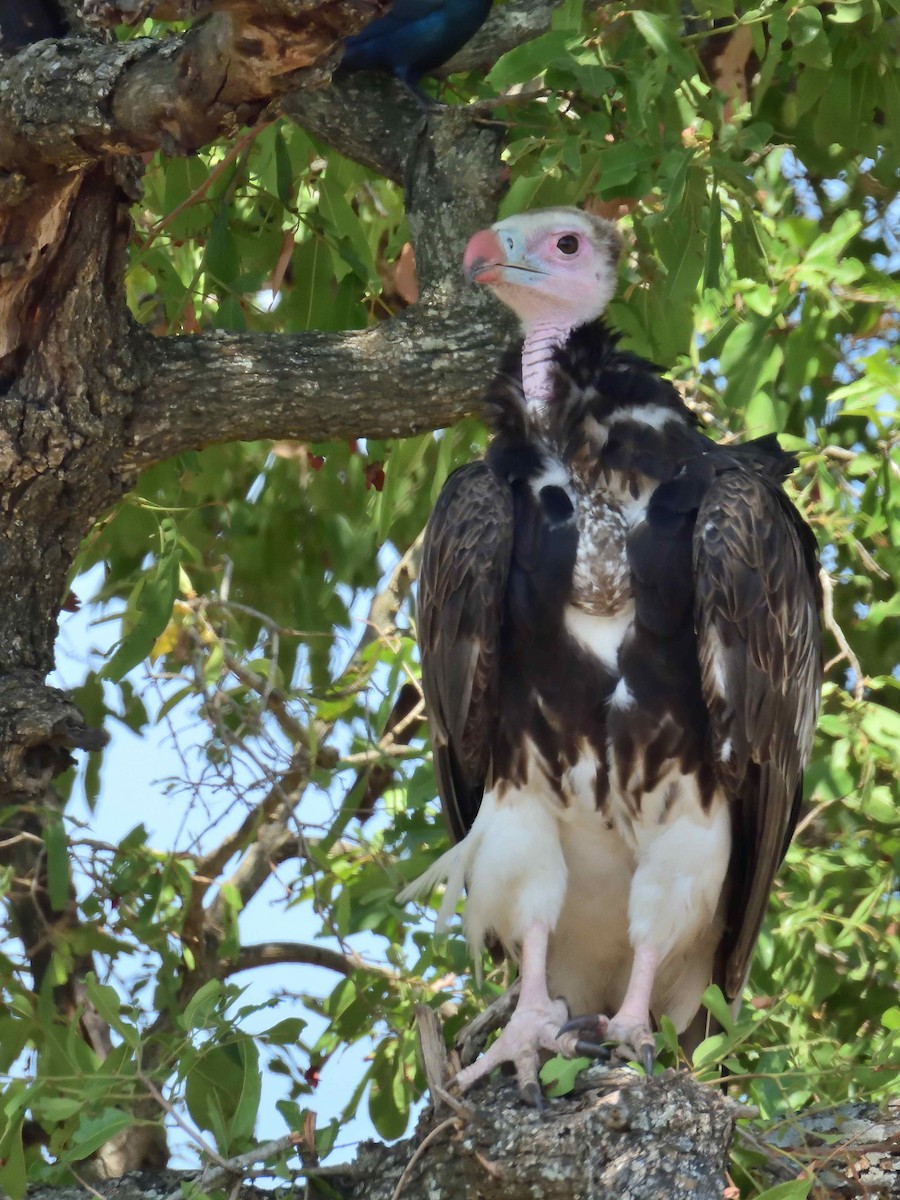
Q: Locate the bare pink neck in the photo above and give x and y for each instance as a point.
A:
(541, 339)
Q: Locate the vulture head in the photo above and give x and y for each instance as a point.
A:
(555, 266)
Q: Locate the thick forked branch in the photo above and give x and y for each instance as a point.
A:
(421, 370)
(67, 104)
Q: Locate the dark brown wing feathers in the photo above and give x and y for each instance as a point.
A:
(759, 645)
(462, 587)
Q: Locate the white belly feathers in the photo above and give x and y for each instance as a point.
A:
(600, 879)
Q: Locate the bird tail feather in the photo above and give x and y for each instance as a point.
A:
(450, 869)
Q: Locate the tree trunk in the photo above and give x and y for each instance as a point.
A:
(89, 399)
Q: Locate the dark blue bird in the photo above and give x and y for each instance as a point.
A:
(415, 37)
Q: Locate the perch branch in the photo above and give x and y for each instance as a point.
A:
(268, 954)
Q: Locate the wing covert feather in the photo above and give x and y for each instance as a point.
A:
(757, 613)
(462, 584)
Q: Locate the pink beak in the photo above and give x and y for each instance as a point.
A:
(483, 258)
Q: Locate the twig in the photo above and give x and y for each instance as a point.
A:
(271, 697)
(238, 1168)
(462, 1110)
(811, 816)
(386, 603)
(382, 750)
(200, 191)
(859, 683)
(264, 813)
(176, 1116)
(238, 1165)
(868, 561)
(84, 1183)
(432, 1048)
(521, 94)
(270, 822)
(450, 1123)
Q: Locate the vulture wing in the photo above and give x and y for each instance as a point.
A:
(462, 585)
(757, 616)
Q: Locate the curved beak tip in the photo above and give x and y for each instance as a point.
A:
(481, 270)
(483, 258)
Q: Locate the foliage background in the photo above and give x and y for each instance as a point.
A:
(261, 591)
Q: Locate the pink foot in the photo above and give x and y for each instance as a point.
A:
(532, 1028)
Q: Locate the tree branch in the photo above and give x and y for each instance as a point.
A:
(369, 117)
(70, 103)
(419, 371)
(507, 26)
(269, 954)
(270, 825)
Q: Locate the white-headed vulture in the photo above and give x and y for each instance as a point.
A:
(619, 623)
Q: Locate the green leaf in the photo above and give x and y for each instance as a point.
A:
(675, 170)
(12, 1161)
(529, 60)
(761, 415)
(57, 1108)
(624, 164)
(221, 257)
(388, 1110)
(154, 601)
(712, 263)
(795, 1189)
(284, 174)
(354, 248)
(222, 1089)
(105, 1000)
(669, 1037)
(846, 12)
(243, 1122)
(558, 1074)
(58, 879)
(94, 1132)
(204, 1001)
(657, 34)
(715, 1003)
(14, 1035)
(286, 1032)
(805, 24)
(326, 1136)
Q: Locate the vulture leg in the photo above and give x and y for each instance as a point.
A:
(631, 1027)
(532, 1027)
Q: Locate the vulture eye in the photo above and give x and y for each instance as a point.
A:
(568, 243)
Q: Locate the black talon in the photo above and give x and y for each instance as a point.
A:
(593, 1050)
(532, 1094)
(586, 1024)
(648, 1059)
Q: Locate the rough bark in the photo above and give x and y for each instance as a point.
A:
(65, 104)
(88, 399)
(618, 1136)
